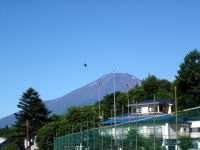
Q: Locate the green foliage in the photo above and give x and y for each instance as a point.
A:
(142, 143)
(185, 142)
(107, 104)
(163, 94)
(150, 86)
(82, 114)
(188, 80)
(5, 132)
(33, 114)
(45, 136)
(101, 142)
(79, 118)
(136, 94)
(9, 146)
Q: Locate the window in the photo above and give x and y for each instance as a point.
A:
(195, 129)
(151, 109)
(161, 108)
(185, 129)
(139, 110)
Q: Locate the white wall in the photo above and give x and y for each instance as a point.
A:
(195, 124)
(2, 140)
(145, 110)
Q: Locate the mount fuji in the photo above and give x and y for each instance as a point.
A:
(88, 94)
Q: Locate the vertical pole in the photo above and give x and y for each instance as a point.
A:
(27, 140)
(102, 131)
(72, 136)
(53, 140)
(128, 107)
(81, 135)
(87, 133)
(114, 103)
(94, 133)
(154, 123)
(65, 140)
(122, 128)
(136, 126)
(68, 138)
(111, 132)
(54, 145)
(75, 136)
(99, 101)
(176, 118)
(59, 138)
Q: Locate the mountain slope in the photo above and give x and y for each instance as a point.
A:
(87, 94)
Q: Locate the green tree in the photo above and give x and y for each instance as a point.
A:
(185, 142)
(79, 118)
(58, 126)
(107, 104)
(150, 86)
(188, 80)
(9, 146)
(46, 134)
(33, 114)
(142, 143)
(136, 94)
(86, 115)
(164, 94)
(5, 132)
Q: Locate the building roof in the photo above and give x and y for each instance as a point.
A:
(2, 140)
(144, 102)
(193, 118)
(140, 119)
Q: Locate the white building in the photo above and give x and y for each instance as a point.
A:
(149, 107)
(159, 113)
(2, 141)
(32, 144)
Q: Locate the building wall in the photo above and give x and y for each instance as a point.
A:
(195, 129)
(145, 109)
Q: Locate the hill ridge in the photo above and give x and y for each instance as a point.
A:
(87, 94)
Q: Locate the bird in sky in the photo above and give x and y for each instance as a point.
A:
(85, 65)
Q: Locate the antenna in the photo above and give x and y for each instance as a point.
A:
(114, 102)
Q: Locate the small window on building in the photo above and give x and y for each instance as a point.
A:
(161, 108)
(195, 129)
(133, 110)
(185, 129)
(139, 110)
(151, 109)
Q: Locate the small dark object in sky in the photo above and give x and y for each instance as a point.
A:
(85, 65)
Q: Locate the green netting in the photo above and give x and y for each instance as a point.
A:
(155, 133)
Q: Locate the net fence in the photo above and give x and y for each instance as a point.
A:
(155, 132)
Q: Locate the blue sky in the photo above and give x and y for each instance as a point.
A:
(43, 43)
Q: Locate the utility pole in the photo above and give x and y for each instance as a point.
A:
(114, 103)
(127, 86)
(111, 133)
(136, 129)
(122, 129)
(102, 145)
(154, 123)
(99, 99)
(175, 96)
(27, 134)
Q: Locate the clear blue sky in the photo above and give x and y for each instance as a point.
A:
(43, 43)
